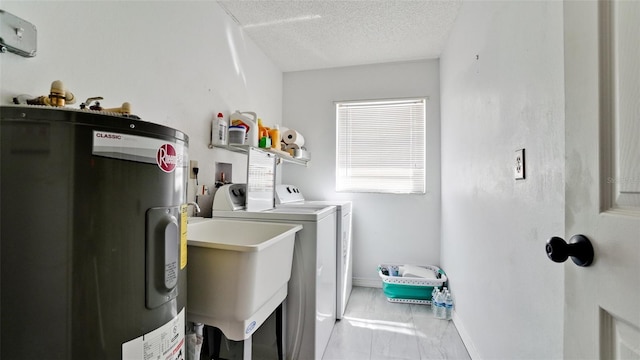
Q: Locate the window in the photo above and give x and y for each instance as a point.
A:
(381, 146)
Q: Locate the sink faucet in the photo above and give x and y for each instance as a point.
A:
(195, 205)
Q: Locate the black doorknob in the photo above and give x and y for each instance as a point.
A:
(579, 248)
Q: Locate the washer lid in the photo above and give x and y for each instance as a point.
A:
(281, 213)
(341, 206)
(298, 210)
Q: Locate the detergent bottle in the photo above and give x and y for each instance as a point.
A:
(248, 120)
(219, 131)
(274, 134)
(263, 135)
(262, 130)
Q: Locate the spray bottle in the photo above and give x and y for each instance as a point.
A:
(219, 130)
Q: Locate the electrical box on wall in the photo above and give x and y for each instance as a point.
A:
(518, 169)
(193, 169)
(223, 173)
(17, 35)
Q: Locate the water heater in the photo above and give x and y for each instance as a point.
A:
(93, 236)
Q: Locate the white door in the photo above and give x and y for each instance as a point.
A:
(602, 79)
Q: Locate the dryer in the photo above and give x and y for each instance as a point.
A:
(310, 304)
(291, 196)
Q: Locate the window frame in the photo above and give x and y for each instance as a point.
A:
(416, 175)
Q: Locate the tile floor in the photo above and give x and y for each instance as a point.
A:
(374, 329)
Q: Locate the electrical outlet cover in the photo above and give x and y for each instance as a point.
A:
(192, 164)
(518, 169)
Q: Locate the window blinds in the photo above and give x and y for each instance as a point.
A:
(381, 146)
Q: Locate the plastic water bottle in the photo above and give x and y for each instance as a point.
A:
(393, 271)
(438, 304)
(440, 310)
(434, 296)
(448, 305)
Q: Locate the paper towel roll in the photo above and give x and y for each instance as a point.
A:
(291, 146)
(293, 137)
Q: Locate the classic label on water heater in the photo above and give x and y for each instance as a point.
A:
(163, 343)
(167, 155)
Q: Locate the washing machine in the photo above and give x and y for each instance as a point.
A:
(310, 304)
(291, 196)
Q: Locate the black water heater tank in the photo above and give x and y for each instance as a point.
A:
(92, 236)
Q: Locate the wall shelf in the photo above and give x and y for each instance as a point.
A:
(281, 155)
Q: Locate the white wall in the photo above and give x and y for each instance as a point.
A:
(177, 63)
(502, 90)
(386, 228)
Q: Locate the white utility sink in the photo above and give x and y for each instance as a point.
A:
(237, 272)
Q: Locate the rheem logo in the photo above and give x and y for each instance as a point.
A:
(167, 158)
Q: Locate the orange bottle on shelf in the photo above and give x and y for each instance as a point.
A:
(274, 134)
(262, 130)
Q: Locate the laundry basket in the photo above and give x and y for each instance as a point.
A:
(411, 284)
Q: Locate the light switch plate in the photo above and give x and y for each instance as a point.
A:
(518, 168)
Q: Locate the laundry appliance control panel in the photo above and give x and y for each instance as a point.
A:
(288, 194)
(230, 197)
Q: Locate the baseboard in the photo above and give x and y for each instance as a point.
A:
(464, 335)
(367, 282)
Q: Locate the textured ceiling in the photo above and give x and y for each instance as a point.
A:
(315, 34)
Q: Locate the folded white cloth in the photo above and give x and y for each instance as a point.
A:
(417, 271)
